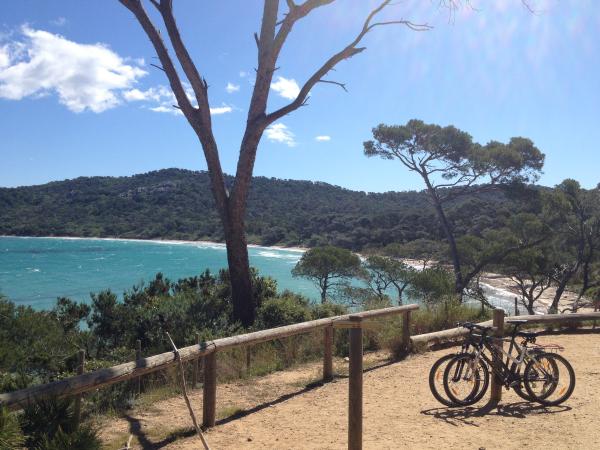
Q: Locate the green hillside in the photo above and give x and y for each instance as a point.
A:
(177, 204)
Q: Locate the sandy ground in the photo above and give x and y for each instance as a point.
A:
(399, 412)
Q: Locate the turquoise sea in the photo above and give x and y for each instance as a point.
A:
(35, 271)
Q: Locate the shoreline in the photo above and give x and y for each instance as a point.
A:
(159, 241)
(568, 298)
(494, 281)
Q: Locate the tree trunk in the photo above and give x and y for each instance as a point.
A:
(559, 292)
(239, 275)
(400, 291)
(458, 276)
(324, 287)
(586, 278)
(529, 305)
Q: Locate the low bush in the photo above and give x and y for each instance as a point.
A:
(11, 436)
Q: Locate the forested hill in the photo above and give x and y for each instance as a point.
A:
(177, 204)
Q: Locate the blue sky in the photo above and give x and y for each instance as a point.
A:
(78, 95)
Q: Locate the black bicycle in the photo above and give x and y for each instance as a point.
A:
(547, 377)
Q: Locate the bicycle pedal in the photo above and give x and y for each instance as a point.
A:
(514, 384)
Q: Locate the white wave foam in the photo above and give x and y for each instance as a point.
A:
(278, 255)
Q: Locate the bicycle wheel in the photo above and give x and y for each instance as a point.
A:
(436, 379)
(549, 379)
(465, 381)
(519, 388)
(522, 392)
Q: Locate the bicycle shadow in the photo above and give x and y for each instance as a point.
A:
(467, 414)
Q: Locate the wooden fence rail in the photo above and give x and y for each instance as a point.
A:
(85, 382)
(104, 377)
(453, 334)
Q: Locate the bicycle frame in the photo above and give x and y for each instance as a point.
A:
(508, 374)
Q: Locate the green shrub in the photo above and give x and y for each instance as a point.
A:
(321, 311)
(52, 425)
(42, 420)
(11, 436)
(84, 438)
(283, 310)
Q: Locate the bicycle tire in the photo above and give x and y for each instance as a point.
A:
(480, 382)
(436, 373)
(521, 391)
(531, 376)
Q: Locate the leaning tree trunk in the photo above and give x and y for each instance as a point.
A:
(559, 292)
(458, 276)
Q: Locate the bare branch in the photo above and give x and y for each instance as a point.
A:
(188, 66)
(158, 67)
(199, 118)
(342, 85)
(136, 7)
(347, 52)
(408, 23)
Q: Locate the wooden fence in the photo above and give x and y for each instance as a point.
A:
(422, 341)
(85, 382)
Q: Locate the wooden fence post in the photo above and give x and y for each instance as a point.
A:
(138, 356)
(498, 323)
(80, 371)
(355, 385)
(406, 330)
(195, 366)
(516, 307)
(328, 353)
(209, 390)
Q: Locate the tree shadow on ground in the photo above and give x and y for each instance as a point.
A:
(466, 415)
(147, 443)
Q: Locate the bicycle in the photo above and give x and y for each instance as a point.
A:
(541, 369)
(466, 375)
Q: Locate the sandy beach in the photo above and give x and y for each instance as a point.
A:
(567, 300)
(161, 241)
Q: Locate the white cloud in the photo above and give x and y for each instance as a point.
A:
(134, 95)
(243, 74)
(59, 21)
(83, 76)
(231, 88)
(323, 138)
(166, 109)
(279, 132)
(286, 88)
(159, 94)
(220, 109)
(163, 99)
(4, 57)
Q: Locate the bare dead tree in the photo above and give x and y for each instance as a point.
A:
(231, 204)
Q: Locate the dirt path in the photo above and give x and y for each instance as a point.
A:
(399, 412)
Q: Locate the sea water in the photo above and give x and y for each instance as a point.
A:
(35, 271)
